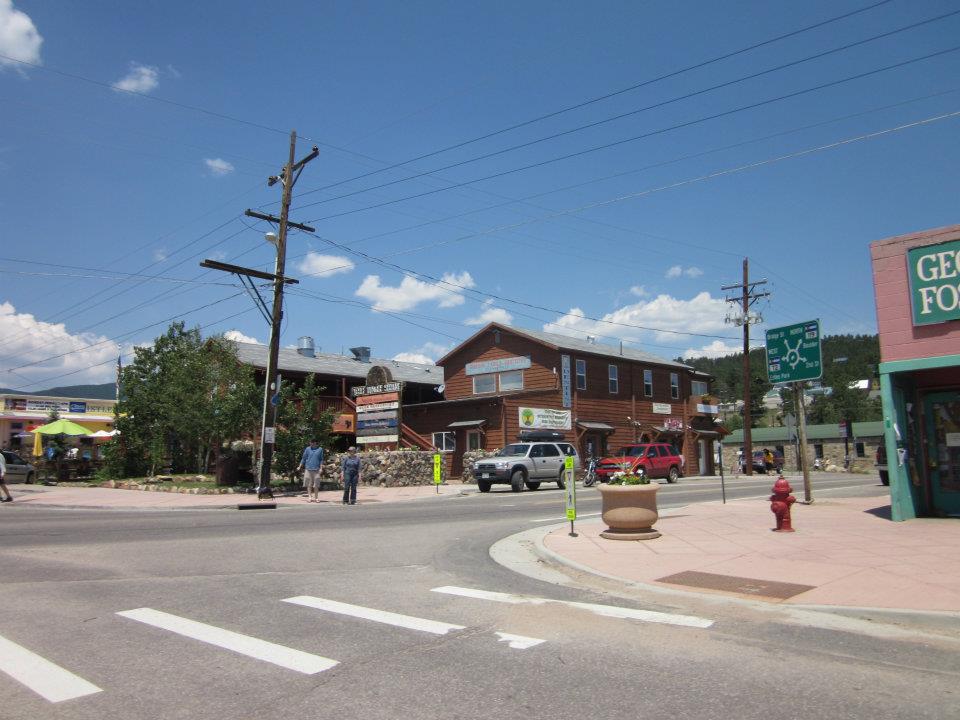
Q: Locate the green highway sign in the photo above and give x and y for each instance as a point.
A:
(793, 353)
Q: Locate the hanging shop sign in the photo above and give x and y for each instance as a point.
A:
(934, 272)
(378, 410)
(662, 408)
(545, 419)
(565, 381)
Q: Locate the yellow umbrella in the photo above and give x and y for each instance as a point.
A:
(37, 445)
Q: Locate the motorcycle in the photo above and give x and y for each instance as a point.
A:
(591, 475)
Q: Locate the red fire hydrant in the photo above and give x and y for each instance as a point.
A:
(780, 503)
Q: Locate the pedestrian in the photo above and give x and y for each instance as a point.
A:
(768, 459)
(350, 476)
(3, 485)
(740, 465)
(312, 464)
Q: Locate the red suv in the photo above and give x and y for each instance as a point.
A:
(651, 459)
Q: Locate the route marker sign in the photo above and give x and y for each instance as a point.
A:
(794, 353)
(437, 470)
(571, 487)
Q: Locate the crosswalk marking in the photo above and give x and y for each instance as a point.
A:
(243, 644)
(49, 681)
(605, 610)
(382, 616)
(519, 642)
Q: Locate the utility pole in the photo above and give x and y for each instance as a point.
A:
(271, 385)
(748, 296)
(804, 465)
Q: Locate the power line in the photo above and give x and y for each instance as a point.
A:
(659, 131)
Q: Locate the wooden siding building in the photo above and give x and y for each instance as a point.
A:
(503, 380)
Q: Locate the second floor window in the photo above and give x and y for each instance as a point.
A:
(613, 375)
(648, 383)
(512, 380)
(674, 386)
(581, 374)
(699, 387)
(484, 384)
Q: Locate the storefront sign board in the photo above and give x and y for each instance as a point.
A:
(662, 408)
(565, 380)
(545, 419)
(485, 367)
(934, 273)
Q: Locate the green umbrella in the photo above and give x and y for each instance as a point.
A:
(62, 427)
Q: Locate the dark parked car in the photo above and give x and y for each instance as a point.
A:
(764, 464)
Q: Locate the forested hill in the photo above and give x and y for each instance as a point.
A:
(104, 391)
(845, 358)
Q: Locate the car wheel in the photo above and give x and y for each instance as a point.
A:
(673, 474)
(532, 484)
(561, 482)
(483, 485)
(517, 480)
(29, 480)
(884, 477)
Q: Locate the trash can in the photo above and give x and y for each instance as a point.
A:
(226, 469)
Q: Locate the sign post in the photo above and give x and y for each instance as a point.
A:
(571, 485)
(794, 355)
(437, 471)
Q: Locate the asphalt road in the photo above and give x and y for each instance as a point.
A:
(193, 583)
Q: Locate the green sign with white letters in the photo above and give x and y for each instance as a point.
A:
(793, 353)
(934, 272)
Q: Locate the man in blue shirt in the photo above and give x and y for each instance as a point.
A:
(312, 463)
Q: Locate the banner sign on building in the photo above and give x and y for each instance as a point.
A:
(662, 408)
(78, 407)
(365, 390)
(545, 419)
(708, 409)
(934, 273)
(565, 380)
(485, 367)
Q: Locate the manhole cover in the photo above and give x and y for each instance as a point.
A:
(734, 584)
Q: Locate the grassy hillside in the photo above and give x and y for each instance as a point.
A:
(105, 391)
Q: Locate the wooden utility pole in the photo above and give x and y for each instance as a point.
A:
(802, 427)
(747, 297)
(271, 385)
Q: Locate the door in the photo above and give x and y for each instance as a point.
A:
(942, 412)
(546, 460)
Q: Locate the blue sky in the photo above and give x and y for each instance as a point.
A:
(110, 199)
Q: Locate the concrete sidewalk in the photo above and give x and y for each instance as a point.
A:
(94, 497)
(845, 552)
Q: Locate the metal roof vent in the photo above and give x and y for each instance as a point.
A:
(305, 346)
(361, 354)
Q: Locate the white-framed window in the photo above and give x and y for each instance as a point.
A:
(648, 383)
(581, 374)
(445, 441)
(613, 374)
(675, 386)
(512, 380)
(484, 384)
(699, 387)
(474, 440)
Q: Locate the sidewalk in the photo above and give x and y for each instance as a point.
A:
(845, 552)
(93, 497)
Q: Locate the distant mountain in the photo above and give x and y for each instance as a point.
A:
(106, 391)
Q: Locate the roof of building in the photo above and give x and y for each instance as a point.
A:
(564, 342)
(814, 432)
(339, 365)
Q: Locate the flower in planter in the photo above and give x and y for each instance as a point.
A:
(626, 477)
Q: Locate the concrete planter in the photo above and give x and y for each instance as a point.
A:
(629, 511)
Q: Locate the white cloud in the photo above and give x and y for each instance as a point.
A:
(410, 357)
(678, 270)
(140, 79)
(29, 340)
(718, 348)
(238, 336)
(411, 292)
(426, 354)
(700, 314)
(19, 38)
(639, 291)
(316, 264)
(159, 255)
(490, 314)
(218, 166)
(674, 272)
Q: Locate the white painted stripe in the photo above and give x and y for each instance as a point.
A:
(243, 644)
(381, 616)
(519, 642)
(604, 610)
(49, 681)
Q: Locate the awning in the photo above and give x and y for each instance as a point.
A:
(467, 424)
(603, 427)
(709, 434)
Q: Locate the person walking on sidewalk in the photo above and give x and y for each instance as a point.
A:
(350, 476)
(3, 473)
(312, 463)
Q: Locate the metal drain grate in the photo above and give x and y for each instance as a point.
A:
(734, 584)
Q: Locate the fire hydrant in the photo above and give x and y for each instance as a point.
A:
(780, 503)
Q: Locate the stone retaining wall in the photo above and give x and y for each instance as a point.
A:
(395, 468)
(470, 459)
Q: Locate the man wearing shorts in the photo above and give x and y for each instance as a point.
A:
(311, 464)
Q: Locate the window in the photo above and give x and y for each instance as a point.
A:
(861, 449)
(550, 451)
(818, 451)
(674, 386)
(581, 374)
(648, 383)
(474, 440)
(567, 449)
(445, 441)
(512, 380)
(612, 374)
(484, 384)
(699, 387)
